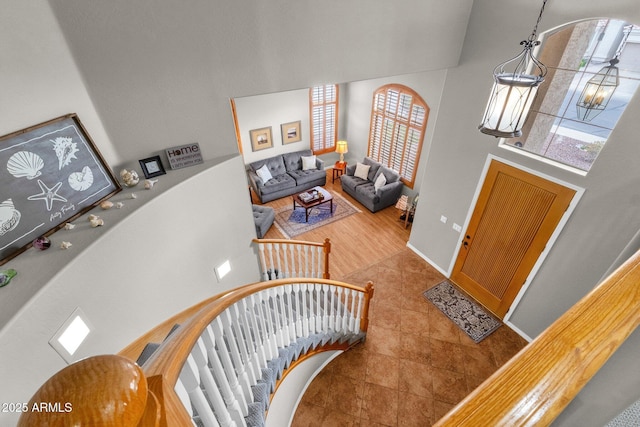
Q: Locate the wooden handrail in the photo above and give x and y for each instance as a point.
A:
(163, 367)
(83, 393)
(539, 382)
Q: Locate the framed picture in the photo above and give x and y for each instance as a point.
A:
(261, 139)
(50, 174)
(152, 166)
(291, 132)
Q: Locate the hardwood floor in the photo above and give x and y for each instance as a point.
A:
(415, 364)
(357, 241)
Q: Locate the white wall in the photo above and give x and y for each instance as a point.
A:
(359, 98)
(161, 74)
(604, 222)
(38, 77)
(152, 259)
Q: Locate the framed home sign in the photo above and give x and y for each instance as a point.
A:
(50, 174)
(261, 139)
(291, 132)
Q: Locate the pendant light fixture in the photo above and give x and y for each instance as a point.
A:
(597, 92)
(599, 89)
(513, 92)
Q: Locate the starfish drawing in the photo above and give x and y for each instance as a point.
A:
(48, 194)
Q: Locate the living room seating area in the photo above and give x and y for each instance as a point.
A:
(286, 174)
(372, 184)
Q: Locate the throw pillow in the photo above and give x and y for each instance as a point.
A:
(264, 173)
(380, 182)
(362, 171)
(308, 162)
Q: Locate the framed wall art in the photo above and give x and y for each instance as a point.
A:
(291, 132)
(152, 166)
(261, 139)
(50, 174)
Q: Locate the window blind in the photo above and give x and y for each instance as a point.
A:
(398, 122)
(324, 118)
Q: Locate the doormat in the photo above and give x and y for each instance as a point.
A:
(292, 223)
(474, 320)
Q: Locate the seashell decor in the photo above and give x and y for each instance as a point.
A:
(69, 226)
(25, 164)
(9, 216)
(65, 245)
(106, 204)
(129, 177)
(149, 183)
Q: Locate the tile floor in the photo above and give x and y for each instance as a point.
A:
(415, 364)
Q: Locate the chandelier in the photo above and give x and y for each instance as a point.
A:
(513, 91)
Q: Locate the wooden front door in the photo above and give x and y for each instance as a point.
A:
(513, 219)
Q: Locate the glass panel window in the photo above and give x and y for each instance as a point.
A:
(323, 102)
(398, 122)
(593, 71)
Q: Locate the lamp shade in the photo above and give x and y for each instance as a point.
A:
(509, 103)
(342, 147)
(597, 92)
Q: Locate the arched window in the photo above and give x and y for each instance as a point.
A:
(398, 121)
(584, 93)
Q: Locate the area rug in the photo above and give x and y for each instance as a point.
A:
(474, 320)
(292, 223)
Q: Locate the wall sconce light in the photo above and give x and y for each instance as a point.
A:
(342, 148)
(223, 269)
(71, 335)
(513, 92)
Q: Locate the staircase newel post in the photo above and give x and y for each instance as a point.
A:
(327, 251)
(364, 322)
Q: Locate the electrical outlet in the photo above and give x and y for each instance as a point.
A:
(457, 227)
(443, 219)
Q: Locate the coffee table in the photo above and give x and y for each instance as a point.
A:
(325, 197)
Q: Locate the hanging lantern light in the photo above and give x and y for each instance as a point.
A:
(598, 91)
(513, 92)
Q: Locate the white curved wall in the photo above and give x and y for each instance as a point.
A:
(153, 258)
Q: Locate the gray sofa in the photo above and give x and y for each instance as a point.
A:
(287, 175)
(363, 189)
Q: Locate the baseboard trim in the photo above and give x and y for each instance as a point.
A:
(426, 258)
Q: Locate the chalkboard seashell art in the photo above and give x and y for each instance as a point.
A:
(65, 149)
(9, 217)
(82, 180)
(25, 164)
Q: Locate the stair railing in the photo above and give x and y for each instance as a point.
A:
(282, 258)
(535, 386)
(222, 366)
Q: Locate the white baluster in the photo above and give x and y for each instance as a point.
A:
(277, 319)
(352, 311)
(267, 315)
(332, 308)
(327, 309)
(222, 379)
(260, 358)
(295, 295)
(304, 296)
(234, 352)
(284, 316)
(229, 370)
(272, 264)
(257, 310)
(228, 416)
(291, 316)
(280, 274)
(243, 340)
(306, 260)
(319, 312)
(358, 314)
(287, 271)
(191, 381)
(263, 261)
(300, 265)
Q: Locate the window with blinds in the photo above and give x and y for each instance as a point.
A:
(398, 121)
(323, 104)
